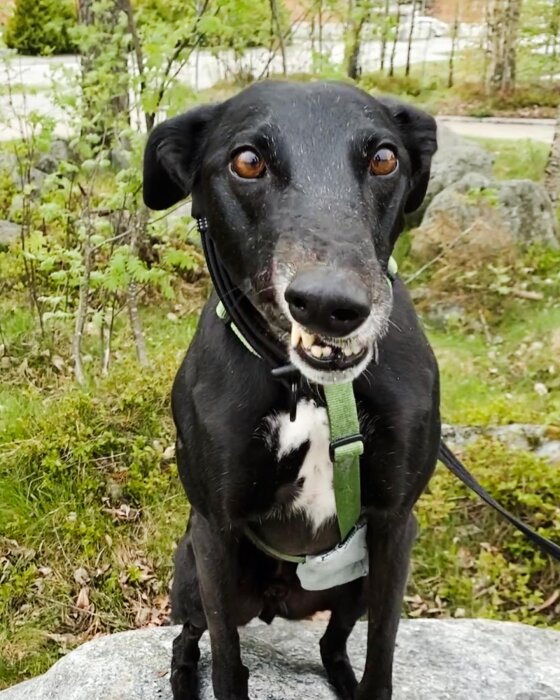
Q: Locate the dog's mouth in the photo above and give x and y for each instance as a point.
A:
(327, 355)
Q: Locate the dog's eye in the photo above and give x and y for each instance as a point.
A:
(384, 162)
(248, 164)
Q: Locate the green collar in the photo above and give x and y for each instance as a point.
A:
(346, 446)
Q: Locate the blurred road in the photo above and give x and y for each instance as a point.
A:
(33, 79)
(501, 128)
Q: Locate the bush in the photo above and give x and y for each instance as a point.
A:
(41, 27)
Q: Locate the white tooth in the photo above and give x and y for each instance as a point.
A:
(327, 351)
(356, 347)
(348, 351)
(296, 335)
(316, 351)
(307, 339)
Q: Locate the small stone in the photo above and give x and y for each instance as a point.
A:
(168, 453)
(540, 389)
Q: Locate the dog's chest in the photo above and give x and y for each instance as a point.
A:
(301, 457)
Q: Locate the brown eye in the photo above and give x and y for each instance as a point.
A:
(384, 162)
(248, 164)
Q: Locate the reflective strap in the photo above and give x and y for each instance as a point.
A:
(221, 313)
(346, 447)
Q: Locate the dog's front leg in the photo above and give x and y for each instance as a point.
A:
(389, 552)
(215, 554)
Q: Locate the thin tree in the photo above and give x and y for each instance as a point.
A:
(454, 37)
(395, 40)
(552, 170)
(385, 32)
(503, 26)
(357, 14)
(410, 37)
(277, 24)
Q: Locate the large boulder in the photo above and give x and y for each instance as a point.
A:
(11, 167)
(456, 157)
(59, 151)
(495, 213)
(435, 660)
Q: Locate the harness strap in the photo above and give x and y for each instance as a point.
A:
(345, 449)
(267, 549)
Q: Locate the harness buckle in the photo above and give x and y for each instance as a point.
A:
(356, 441)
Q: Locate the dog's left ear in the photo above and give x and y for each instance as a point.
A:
(173, 156)
(418, 131)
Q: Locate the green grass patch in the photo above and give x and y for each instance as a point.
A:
(517, 159)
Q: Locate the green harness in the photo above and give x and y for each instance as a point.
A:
(346, 447)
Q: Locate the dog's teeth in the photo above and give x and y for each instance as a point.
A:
(356, 347)
(327, 351)
(307, 339)
(348, 351)
(316, 351)
(296, 335)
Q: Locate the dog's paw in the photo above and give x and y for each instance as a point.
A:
(341, 675)
(184, 682)
(363, 693)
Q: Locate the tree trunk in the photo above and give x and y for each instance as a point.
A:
(503, 25)
(105, 99)
(454, 37)
(410, 38)
(276, 21)
(384, 33)
(395, 41)
(552, 170)
(356, 20)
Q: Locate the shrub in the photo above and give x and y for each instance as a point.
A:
(41, 27)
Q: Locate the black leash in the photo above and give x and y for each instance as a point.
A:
(460, 471)
(255, 330)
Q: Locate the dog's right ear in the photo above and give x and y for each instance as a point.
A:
(173, 156)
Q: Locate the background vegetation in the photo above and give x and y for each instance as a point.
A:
(99, 299)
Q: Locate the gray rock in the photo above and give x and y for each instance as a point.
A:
(550, 451)
(120, 158)
(10, 166)
(512, 211)
(9, 232)
(58, 152)
(435, 660)
(456, 157)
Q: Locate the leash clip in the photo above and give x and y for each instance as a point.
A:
(290, 373)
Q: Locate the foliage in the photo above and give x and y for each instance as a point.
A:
(468, 561)
(88, 513)
(41, 27)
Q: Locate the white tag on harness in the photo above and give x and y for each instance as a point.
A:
(346, 562)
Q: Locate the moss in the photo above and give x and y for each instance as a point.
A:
(468, 561)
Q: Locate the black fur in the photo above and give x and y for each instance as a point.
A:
(318, 203)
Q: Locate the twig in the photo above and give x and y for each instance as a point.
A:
(440, 255)
(81, 314)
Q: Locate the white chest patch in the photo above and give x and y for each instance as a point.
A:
(316, 498)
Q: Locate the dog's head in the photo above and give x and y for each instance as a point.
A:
(304, 188)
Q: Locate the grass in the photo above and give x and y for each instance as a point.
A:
(517, 159)
(91, 507)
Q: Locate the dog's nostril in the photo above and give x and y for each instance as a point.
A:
(299, 303)
(345, 315)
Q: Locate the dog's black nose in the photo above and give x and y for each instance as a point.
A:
(328, 302)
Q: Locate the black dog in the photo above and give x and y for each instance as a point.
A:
(304, 189)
